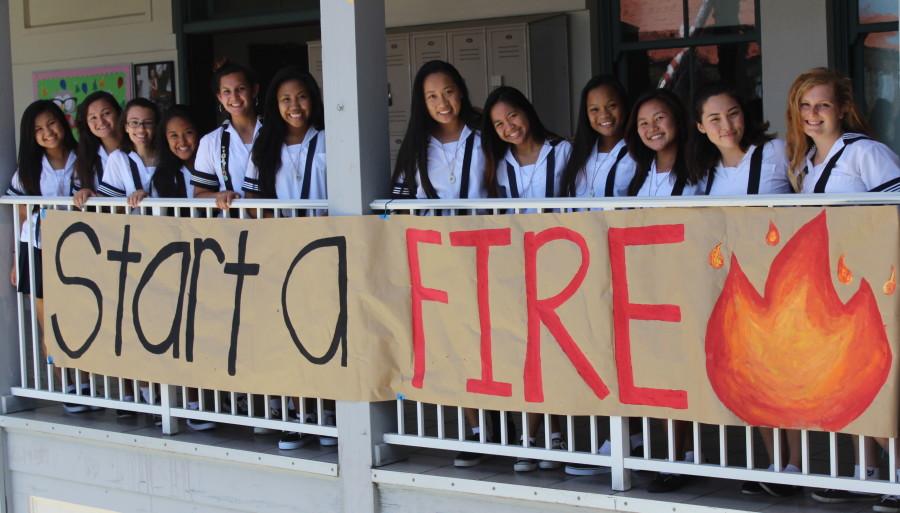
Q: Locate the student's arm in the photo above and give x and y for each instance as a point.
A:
(204, 179)
(879, 167)
(16, 189)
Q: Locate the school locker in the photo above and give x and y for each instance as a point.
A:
(428, 46)
(467, 54)
(508, 62)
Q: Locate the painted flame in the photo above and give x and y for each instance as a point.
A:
(773, 237)
(796, 357)
(716, 260)
(890, 286)
(844, 274)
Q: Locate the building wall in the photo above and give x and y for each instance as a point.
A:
(132, 480)
(53, 35)
(794, 38)
(402, 13)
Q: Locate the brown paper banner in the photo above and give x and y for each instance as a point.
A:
(767, 316)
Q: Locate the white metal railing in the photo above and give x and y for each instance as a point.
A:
(41, 379)
(721, 451)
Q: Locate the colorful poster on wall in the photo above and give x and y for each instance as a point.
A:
(69, 87)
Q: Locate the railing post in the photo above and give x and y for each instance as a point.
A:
(356, 117)
(620, 441)
(167, 400)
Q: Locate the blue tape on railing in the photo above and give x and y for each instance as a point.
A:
(50, 360)
(400, 396)
(43, 213)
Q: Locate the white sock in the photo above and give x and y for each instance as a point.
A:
(871, 472)
(637, 440)
(689, 456)
(476, 430)
(556, 435)
(193, 405)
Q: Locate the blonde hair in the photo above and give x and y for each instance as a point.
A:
(798, 143)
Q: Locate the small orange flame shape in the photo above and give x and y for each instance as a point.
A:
(796, 357)
(890, 286)
(773, 237)
(844, 274)
(716, 260)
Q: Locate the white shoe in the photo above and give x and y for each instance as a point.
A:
(556, 444)
(525, 465)
(329, 420)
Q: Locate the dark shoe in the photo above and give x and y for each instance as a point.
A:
(752, 488)
(831, 496)
(467, 459)
(664, 483)
(888, 504)
(779, 490)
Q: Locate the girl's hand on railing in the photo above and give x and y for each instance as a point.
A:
(224, 198)
(80, 197)
(135, 198)
(12, 276)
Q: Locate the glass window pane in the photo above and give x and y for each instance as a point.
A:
(722, 16)
(881, 83)
(646, 20)
(876, 11)
(684, 70)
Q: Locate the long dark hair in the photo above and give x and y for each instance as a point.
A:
(702, 154)
(494, 148)
(642, 155)
(227, 67)
(88, 164)
(127, 146)
(30, 152)
(266, 153)
(413, 154)
(168, 181)
(586, 138)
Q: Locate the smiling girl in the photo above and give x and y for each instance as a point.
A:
(440, 156)
(99, 134)
(600, 165)
(46, 162)
(522, 158)
(827, 140)
(224, 153)
(130, 168)
(656, 135)
(177, 148)
(735, 155)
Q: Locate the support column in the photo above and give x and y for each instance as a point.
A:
(9, 348)
(356, 124)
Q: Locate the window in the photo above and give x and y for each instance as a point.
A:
(681, 44)
(866, 49)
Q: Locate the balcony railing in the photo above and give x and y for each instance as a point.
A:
(719, 451)
(41, 379)
(727, 452)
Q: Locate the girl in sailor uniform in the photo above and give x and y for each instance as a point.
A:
(130, 168)
(288, 159)
(656, 136)
(828, 143)
(99, 134)
(600, 165)
(224, 153)
(734, 155)
(737, 158)
(830, 152)
(177, 149)
(522, 158)
(46, 163)
(288, 162)
(440, 156)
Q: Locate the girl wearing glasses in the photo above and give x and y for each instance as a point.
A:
(130, 168)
